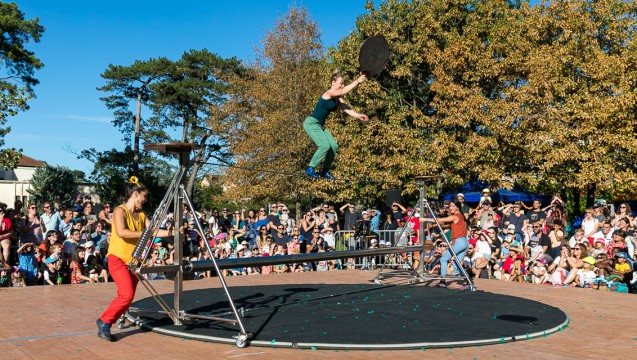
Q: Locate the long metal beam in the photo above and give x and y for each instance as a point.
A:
(279, 259)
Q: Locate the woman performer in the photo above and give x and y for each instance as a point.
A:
(459, 241)
(314, 125)
(128, 223)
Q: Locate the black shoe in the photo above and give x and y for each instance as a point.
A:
(104, 330)
(441, 284)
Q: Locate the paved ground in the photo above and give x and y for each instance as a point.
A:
(58, 322)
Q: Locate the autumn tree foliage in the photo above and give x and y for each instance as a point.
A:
(499, 90)
(266, 109)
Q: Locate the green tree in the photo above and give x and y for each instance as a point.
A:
(186, 99)
(112, 169)
(17, 71)
(127, 84)
(49, 182)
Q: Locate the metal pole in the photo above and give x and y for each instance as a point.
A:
(184, 160)
(421, 232)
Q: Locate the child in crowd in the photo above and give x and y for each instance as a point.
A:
(95, 270)
(598, 247)
(52, 274)
(539, 275)
(17, 278)
(28, 264)
(585, 275)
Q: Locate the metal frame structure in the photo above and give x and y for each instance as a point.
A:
(178, 196)
(420, 276)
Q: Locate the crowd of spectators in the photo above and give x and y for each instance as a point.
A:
(52, 244)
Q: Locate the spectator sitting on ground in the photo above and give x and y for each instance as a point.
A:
(95, 270)
(28, 264)
(539, 275)
(78, 274)
(586, 275)
(52, 274)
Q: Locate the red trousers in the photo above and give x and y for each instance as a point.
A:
(126, 283)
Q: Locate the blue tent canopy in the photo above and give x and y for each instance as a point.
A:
(472, 192)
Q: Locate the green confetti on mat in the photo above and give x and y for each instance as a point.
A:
(423, 349)
(324, 332)
(313, 348)
(273, 341)
(370, 312)
(502, 340)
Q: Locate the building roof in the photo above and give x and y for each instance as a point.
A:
(29, 162)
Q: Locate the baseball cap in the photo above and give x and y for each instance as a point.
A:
(410, 209)
(460, 195)
(89, 244)
(364, 213)
(50, 260)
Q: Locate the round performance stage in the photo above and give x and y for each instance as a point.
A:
(358, 316)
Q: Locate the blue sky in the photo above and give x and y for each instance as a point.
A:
(83, 37)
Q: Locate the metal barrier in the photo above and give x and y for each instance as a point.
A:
(346, 240)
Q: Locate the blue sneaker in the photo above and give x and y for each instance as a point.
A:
(104, 330)
(327, 175)
(311, 173)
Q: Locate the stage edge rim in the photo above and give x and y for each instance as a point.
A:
(336, 346)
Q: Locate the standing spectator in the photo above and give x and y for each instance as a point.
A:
(225, 220)
(308, 223)
(280, 236)
(250, 226)
(590, 223)
(213, 222)
(31, 226)
(389, 226)
(517, 218)
(330, 214)
(262, 219)
(598, 214)
(350, 217)
(106, 215)
(50, 218)
(66, 224)
(273, 217)
(374, 222)
(536, 215)
(464, 209)
(624, 212)
(6, 231)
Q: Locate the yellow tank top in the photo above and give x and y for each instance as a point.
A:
(121, 248)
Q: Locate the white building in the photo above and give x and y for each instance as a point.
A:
(14, 183)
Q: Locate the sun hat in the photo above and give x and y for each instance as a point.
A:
(590, 260)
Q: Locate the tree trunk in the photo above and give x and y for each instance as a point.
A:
(138, 117)
(196, 163)
(576, 202)
(590, 195)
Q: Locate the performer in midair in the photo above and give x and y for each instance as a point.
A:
(314, 125)
(128, 223)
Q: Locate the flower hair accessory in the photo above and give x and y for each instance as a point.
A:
(133, 180)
